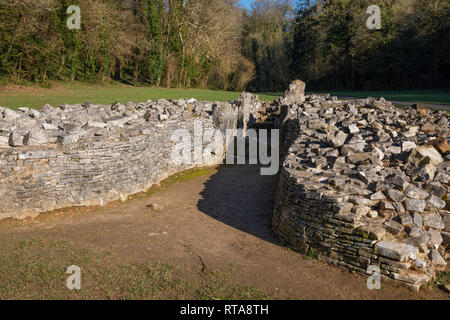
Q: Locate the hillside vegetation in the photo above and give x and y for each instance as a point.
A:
(216, 44)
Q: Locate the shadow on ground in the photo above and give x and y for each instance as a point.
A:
(239, 196)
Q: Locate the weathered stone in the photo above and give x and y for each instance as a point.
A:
(441, 145)
(445, 238)
(342, 208)
(433, 220)
(446, 221)
(15, 139)
(396, 250)
(361, 210)
(338, 139)
(353, 129)
(428, 128)
(393, 227)
(406, 219)
(372, 214)
(416, 193)
(418, 220)
(435, 238)
(437, 259)
(411, 278)
(437, 189)
(420, 109)
(413, 231)
(395, 195)
(420, 264)
(378, 196)
(386, 205)
(436, 202)
(425, 173)
(426, 155)
(295, 94)
(4, 142)
(49, 126)
(414, 205)
(408, 145)
(65, 139)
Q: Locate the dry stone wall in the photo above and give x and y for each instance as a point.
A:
(77, 155)
(363, 184)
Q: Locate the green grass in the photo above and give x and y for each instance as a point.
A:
(422, 96)
(181, 177)
(58, 93)
(37, 97)
(36, 269)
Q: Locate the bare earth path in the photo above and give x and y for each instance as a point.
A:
(208, 222)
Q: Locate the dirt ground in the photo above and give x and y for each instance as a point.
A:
(211, 221)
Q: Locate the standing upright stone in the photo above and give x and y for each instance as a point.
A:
(248, 106)
(295, 94)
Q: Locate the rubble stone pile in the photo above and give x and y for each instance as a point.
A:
(365, 183)
(68, 124)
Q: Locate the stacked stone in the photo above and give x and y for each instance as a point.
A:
(68, 124)
(366, 183)
(77, 155)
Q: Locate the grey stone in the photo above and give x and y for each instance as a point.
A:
(338, 140)
(4, 142)
(49, 126)
(396, 250)
(65, 139)
(378, 196)
(413, 231)
(424, 174)
(437, 189)
(342, 208)
(445, 238)
(418, 220)
(435, 238)
(386, 205)
(406, 219)
(436, 258)
(395, 195)
(446, 221)
(394, 227)
(433, 220)
(416, 193)
(414, 205)
(436, 202)
(15, 139)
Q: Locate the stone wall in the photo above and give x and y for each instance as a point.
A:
(90, 154)
(363, 184)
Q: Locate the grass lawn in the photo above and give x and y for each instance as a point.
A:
(36, 269)
(424, 96)
(36, 97)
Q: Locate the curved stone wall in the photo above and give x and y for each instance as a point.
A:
(89, 154)
(41, 179)
(366, 184)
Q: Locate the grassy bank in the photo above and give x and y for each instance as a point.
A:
(36, 97)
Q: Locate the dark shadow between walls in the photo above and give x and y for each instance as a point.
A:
(239, 196)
